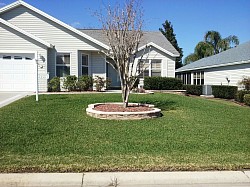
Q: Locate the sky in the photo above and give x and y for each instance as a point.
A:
(191, 19)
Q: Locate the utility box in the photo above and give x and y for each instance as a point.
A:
(207, 90)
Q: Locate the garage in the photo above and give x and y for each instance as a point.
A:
(17, 72)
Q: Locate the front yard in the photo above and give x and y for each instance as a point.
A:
(56, 135)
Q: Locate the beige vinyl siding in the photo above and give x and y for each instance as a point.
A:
(168, 62)
(217, 76)
(12, 40)
(63, 39)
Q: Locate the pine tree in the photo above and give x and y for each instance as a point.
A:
(168, 32)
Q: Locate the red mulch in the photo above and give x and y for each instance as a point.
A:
(120, 108)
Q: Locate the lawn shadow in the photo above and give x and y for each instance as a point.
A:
(163, 105)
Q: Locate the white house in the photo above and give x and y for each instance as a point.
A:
(225, 68)
(36, 46)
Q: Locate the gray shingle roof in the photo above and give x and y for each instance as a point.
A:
(237, 54)
(148, 36)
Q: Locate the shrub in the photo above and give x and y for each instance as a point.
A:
(226, 92)
(240, 95)
(246, 82)
(84, 83)
(247, 99)
(162, 83)
(54, 85)
(100, 83)
(70, 83)
(193, 89)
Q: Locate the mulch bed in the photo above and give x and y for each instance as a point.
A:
(120, 108)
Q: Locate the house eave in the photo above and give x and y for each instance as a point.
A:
(214, 66)
(158, 47)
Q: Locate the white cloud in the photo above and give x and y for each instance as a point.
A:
(2, 4)
(76, 24)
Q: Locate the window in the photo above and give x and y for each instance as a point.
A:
(150, 68)
(28, 58)
(85, 64)
(62, 64)
(155, 68)
(5, 57)
(18, 57)
(198, 78)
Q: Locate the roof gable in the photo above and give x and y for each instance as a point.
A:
(237, 55)
(22, 3)
(25, 33)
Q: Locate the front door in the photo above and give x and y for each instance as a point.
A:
(113, 76)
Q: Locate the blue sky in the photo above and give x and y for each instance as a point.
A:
(190, 18)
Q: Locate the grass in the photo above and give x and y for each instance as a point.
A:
(56, 135)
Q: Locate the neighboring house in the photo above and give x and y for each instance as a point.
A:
(35, 46)
(225, 68)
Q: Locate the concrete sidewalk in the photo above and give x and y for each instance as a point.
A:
(122, 179)
(9, 97)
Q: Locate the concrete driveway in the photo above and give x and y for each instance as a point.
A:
(9, 97)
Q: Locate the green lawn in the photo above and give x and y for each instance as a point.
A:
(56, 135)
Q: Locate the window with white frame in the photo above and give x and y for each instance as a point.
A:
(155, 68)
(198, 78)
(150, 68)
(62, 64)
(85, 64)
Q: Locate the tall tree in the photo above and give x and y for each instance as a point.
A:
(122, 25)
(168, 32)
(213, 44)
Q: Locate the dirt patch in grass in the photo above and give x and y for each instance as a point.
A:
(120, 108)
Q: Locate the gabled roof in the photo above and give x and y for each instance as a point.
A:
(25, 33)
(236, 55)
(19, 3)
(153, 38)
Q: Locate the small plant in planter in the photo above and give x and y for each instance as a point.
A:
(100, 83)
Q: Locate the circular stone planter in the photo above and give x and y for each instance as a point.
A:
(153, 113)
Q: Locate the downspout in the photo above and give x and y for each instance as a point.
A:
(36, 58)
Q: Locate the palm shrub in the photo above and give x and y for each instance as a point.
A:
(84, 83)
(54, 85)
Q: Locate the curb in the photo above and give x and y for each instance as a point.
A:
(120, 179)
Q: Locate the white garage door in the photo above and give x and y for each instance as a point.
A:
(17, 72)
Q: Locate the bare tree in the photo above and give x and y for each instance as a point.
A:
(123, 27)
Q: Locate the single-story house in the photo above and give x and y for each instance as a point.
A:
(35, 47)
(225, 68)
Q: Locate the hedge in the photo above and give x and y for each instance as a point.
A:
(162, 83)
(247, 99)
(240, 95)
(193, 89)
(226, 92)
